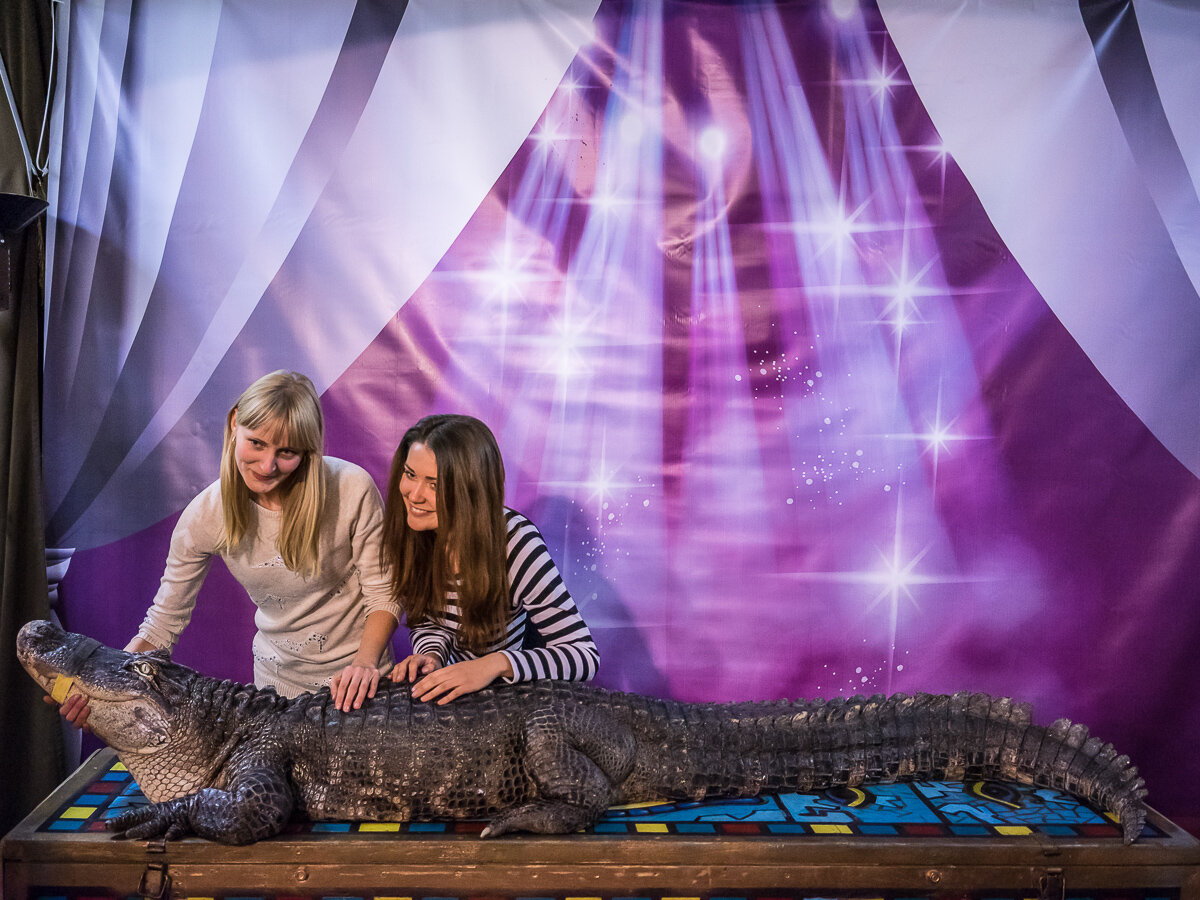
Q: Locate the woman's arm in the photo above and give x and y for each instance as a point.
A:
(569, 653)
(188, 561)
(169, 612)
(363, 512)
(366, 544)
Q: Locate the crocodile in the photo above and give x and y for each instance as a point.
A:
(234, 763)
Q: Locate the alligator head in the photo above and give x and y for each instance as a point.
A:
(138, 701)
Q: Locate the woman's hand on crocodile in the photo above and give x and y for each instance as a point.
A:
(461, 678)
(353, 685)
(413, 667)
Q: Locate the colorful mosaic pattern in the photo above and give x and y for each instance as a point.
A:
(933, 809)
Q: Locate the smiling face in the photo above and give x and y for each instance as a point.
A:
(418, 488)
(265, 461)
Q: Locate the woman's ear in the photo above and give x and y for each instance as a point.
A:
(233, 419)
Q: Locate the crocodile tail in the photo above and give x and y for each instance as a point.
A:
(1061, 755)
(961, 737)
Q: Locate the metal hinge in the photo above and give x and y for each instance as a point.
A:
(1052, 885)
(155, 883)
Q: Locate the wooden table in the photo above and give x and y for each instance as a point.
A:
(984, 841)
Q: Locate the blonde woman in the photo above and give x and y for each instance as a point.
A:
(301, 532)
(483, 598)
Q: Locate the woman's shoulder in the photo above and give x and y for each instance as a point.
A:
(349, 485)
(203, 518)
(205, 502)
(345, 471)
(518, 525)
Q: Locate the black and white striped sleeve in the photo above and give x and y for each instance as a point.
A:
(542, 599)
(432, 639)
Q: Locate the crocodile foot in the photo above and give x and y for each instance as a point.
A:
(165, 820)
(546, 817)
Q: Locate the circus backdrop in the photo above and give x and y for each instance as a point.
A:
(835, 347)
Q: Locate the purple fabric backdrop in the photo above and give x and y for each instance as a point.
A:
(790, 320)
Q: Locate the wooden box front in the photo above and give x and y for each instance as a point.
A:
(983, 841)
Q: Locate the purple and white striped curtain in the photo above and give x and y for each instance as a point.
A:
(835, 347)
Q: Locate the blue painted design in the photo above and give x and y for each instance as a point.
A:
(881, 812)
(750, 809)
(894, 804)
(971, 830)
(1033, 806)
(787, 828)
(1058, 830)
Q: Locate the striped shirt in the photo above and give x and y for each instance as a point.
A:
(545, 637)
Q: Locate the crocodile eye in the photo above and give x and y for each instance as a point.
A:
(144, 669)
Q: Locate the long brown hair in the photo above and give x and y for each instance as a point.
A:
(468, 552)
(285, 404)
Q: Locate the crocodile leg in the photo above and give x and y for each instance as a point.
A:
(257, 807)
(573, 774)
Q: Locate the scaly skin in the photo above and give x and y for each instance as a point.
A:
(232, 763)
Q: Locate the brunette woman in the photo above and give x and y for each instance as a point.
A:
(482, 596)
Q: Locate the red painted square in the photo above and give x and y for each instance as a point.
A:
(924, 830)
(741, 828)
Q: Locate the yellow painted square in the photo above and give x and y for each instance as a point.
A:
(651, 827)
(831, 829)
(1014, 829)
(118, 766)
(393, 898)
(78, 812)
(379, 826)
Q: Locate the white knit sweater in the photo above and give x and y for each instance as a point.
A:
(308, 628)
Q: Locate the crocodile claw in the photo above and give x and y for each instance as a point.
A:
(547, 817)
(156, 820)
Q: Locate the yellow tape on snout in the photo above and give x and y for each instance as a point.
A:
(62, 687)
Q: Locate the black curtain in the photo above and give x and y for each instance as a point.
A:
(32, 753)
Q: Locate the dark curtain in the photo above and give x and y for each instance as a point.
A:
(32, 755)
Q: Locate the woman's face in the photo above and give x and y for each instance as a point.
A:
(418, 488)
(265, 462)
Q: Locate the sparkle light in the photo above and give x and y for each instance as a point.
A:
(549, 133)
(938, 437)
(509, 273)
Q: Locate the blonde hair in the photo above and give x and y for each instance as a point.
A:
(286, 405)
